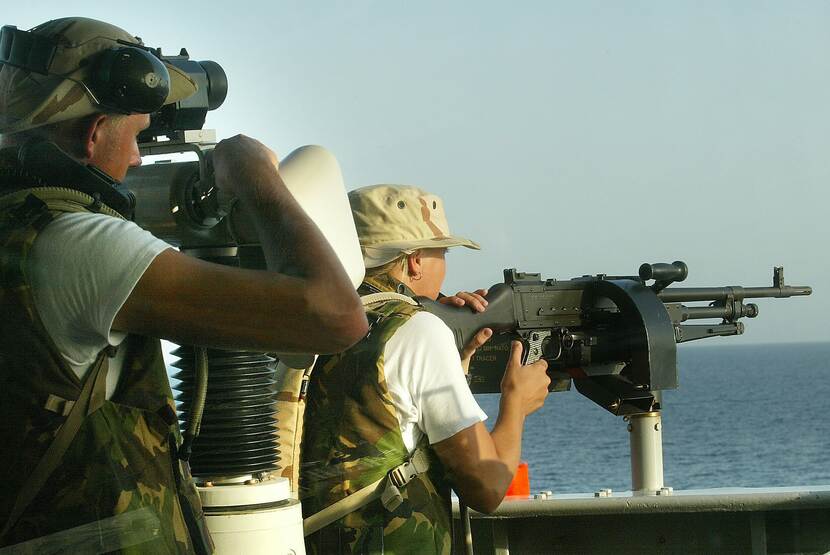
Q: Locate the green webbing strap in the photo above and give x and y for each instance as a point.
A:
(387, 488)
(341, 508)
(61, 199)
(91, 398)
(384, 296)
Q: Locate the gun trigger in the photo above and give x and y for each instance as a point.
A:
(526, 353)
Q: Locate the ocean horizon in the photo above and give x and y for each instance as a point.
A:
(753, 415)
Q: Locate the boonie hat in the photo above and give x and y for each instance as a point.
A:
(397, 219)
(29, 99)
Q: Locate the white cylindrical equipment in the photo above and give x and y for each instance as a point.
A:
(646, 440)
(312, 175)
(255, 519)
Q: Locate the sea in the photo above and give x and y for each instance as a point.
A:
(743, 416)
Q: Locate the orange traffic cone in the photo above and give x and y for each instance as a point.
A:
(520, 486)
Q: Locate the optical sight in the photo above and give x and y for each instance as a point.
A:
(189, 114)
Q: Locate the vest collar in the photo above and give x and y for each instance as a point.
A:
(384, 283)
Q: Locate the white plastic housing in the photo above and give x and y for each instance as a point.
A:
(255, 519)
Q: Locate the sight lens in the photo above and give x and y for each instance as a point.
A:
(217, 83)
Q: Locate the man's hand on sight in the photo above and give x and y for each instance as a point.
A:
(241, 162)
(526, 386)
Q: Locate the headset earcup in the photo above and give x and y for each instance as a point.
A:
(130, 80)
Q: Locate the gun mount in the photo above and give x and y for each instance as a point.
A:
(614, 337)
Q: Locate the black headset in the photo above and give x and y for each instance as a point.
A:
(127, 79)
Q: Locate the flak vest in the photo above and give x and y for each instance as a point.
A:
(352, 438)
(117, 485)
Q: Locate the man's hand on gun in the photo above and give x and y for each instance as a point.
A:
(476, 302)
(527, 384)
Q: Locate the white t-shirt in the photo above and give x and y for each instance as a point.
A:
(82, 268)
(427, 383)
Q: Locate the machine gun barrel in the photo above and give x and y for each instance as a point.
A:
(690, 294)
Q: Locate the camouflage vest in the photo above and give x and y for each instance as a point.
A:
(119, 485)
(352, 438)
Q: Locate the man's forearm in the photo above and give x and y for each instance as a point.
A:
(507, 433)
(291, 242)
(294, 246)
(484, 472)
(483, 463)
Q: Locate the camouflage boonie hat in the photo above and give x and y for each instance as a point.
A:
(397, 219)
(29, 99)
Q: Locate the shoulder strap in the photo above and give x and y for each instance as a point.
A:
(91, 398)
(384, 296)
(59, 199)
(387, 488)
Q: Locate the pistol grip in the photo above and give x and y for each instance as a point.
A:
(533, 345)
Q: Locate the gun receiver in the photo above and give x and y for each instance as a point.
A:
(614, 337)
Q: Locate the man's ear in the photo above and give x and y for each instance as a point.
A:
(94, 134)
(413, 264)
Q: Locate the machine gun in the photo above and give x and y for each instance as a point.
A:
(614, 337)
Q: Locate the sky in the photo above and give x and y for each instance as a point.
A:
(567, 138)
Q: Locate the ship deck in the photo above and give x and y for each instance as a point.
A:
(726, 520)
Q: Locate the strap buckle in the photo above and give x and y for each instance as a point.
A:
(58, 405)
(398, 477)
(402, 474)
(391, 497)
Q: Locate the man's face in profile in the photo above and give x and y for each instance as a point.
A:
(116, 148)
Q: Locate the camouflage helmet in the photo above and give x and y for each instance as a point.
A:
(29, 99)
(397, 219)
